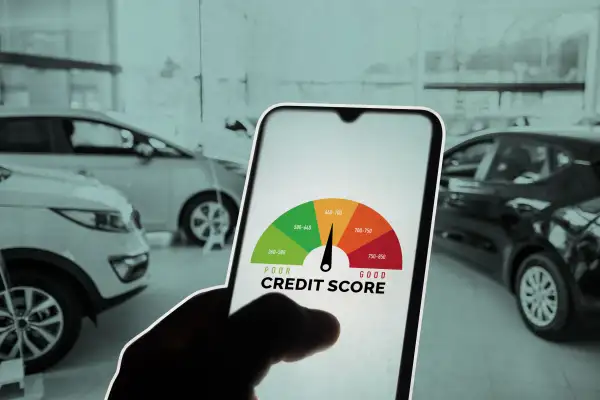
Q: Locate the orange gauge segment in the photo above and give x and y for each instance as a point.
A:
(336, 212)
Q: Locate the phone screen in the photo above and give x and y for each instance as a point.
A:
(357, 188)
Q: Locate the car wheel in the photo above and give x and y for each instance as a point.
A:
(49, 318)
(543, 297)
(204, 216)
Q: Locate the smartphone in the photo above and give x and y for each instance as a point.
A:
(337, 215)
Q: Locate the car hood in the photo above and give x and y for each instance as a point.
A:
(36, 187)
(237, 150)
(51, 174)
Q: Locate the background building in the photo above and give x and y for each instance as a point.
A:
(178, 63)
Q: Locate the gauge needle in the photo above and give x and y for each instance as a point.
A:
(326, 262)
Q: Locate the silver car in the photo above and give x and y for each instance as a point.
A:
(173, 187)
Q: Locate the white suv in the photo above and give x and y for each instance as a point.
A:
(73, 248)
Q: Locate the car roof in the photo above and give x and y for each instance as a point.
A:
(7, 112)
(586, 133)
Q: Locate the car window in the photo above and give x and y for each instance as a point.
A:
(521, 163)
(469, 155)
(527, 162)
(91, 137)
(24, 136)
(465, 161)
(88, 134)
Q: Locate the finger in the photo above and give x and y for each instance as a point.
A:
(274, 328)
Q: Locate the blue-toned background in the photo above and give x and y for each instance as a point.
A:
(194, 76)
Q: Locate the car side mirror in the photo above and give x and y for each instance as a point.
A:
(145, 151)
(452, 160)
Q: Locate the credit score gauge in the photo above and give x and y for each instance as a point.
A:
(360, 232)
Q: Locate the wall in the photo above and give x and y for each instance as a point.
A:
(159, 50)
(76, 29)
(260, 52)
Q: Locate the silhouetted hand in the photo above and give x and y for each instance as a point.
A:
(198, 352)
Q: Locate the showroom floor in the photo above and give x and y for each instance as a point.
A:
(473, 345)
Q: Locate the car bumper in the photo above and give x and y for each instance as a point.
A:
(135, 279)
(101, 304)
(587, 304)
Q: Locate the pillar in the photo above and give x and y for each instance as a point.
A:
(592, 83)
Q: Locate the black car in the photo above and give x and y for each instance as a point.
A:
(523, 204)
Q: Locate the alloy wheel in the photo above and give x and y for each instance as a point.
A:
(209, 219)
(38, 321)
(538, 296)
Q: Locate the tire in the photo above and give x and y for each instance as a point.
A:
(66, 313)
(192, 225)
(554, 323)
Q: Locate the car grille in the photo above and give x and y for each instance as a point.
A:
(136, 218)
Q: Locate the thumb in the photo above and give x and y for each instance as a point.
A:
(274, 328)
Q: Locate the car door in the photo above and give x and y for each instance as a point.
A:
(110, 154)
(462, 166)
(519, 182)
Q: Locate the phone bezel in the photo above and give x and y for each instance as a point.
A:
(425, 231)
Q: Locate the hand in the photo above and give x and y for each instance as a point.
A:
(198, 352)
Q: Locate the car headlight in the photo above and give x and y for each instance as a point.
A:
(107, 221)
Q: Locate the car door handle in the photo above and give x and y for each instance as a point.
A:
(455, 200)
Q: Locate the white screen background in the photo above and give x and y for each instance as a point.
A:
(379, 160)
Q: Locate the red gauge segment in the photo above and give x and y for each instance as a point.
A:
(381, 253)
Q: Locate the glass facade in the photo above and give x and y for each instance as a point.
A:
(51, 32)
(514, 48)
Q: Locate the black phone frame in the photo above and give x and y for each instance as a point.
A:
(349, 114)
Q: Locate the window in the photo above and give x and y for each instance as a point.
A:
(470, 155)
(93, 134)
(521, 163)
(24, 136)
(464, 162)
(90, 137)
